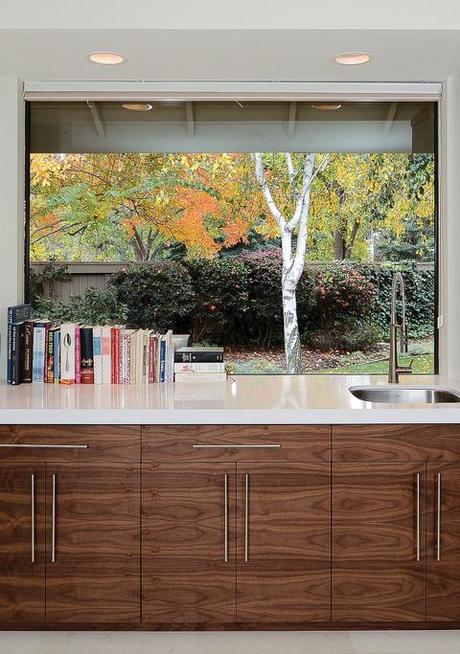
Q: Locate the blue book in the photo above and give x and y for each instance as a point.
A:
(17, 313)
(162, 359)
(57, 356)
(39, 351)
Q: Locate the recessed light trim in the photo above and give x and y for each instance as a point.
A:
(352, 58)
(326, 106)
(137, 106)
(106, 58)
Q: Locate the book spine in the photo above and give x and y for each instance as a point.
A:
(38, 355)
(162, 360)
(49, 372)
(106, 356)
(97, 354)
(198, 357)
(151, 359)
(199, 367)
(17, 345)
(67, 345)
(77, 355)
(27, 355)
(87, 356)
(9, 363)
(57, 356)
(124, 358)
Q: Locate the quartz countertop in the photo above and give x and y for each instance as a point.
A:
(261, 399)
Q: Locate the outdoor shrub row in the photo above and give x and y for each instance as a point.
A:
(237, 301)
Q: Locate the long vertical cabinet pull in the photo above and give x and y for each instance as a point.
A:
(32, 516)
(246, 517)
(438, 518)
(418, 517)
(53, 522)
(226, 518)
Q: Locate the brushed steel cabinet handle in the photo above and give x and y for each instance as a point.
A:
(50, 446)
(418, 518)
(236, 446)
(246, 518)
(53, 522)
(32, 516)
(438, 518)
(226, 518)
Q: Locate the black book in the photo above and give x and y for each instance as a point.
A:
(199, 355)
(87, 357)
(27, 353)
(16, 314)
(17, 352)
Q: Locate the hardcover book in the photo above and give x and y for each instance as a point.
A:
(17, 349)
(199, 355)
(27, 354)
(15, 314)
(87, 356)
(97, 354)
(67, 353)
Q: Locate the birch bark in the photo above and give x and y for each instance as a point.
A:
(293, 257)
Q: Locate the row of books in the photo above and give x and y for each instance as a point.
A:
(43, 351)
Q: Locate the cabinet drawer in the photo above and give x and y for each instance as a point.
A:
(382, 443)
(236, 443)
(70, 443)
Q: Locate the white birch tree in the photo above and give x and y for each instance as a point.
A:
(300, 182)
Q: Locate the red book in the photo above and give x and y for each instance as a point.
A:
(152, 342)
(115, 355)
(77, 356)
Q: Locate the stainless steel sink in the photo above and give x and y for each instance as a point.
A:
(419, 395)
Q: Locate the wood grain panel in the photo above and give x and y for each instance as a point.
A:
(22, 582)
(175, 443)
(287, 575)
(185, 577)
(443, 580)
(387, 443)
(108, 443)
(96, 575)
(375, 574)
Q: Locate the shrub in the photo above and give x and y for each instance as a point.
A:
(221, 297)
(93, 307)
(346, 337)
(157, 296)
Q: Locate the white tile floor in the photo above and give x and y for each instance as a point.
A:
(370, 642)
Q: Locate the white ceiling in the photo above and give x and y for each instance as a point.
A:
(231, 14)
(401, 55)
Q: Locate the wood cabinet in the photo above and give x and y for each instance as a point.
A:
(69, 527)
(229, 526)
(283, 572)
(22, 544)
(443, 551)
(378, 542)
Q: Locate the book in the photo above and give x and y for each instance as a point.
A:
(49, 372)
(15, 314)
(39, 351)
(106, 337)
(57, 355)
(77, 355)
(162, 366)
(199, 367)
(97, 354)
(200, 377)
(87, 356)
(115, 347)
(67, 365)
(27, 354)
(17, 349)
(199, 355)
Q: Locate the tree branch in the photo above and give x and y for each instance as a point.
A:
(260, 174)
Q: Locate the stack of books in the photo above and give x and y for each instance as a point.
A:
(43, 351)
(204, 364)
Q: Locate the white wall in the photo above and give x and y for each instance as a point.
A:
(11, 202)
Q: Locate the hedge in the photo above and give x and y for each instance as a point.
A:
(237, 300)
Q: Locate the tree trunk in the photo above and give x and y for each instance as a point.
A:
(339, 245)
(291, 326)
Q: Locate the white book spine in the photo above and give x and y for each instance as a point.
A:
(200, 377)
(106, 355)
(67, 353)
(199, 367)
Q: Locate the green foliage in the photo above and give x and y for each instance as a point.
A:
(157, 296)
(93, 307)
(346, 336)
(51, 272)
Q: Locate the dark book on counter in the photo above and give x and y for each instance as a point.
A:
(17, 349)
(199, 355)
(87, 356)
(16, 314)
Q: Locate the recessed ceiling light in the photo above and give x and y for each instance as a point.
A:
(107, 58)
(352, 58)
(137, 106)
(326, 106)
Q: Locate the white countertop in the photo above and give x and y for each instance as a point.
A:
(264, 399)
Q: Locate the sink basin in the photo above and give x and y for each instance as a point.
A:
(404, 395)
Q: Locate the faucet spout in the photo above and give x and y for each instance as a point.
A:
(394, 369)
